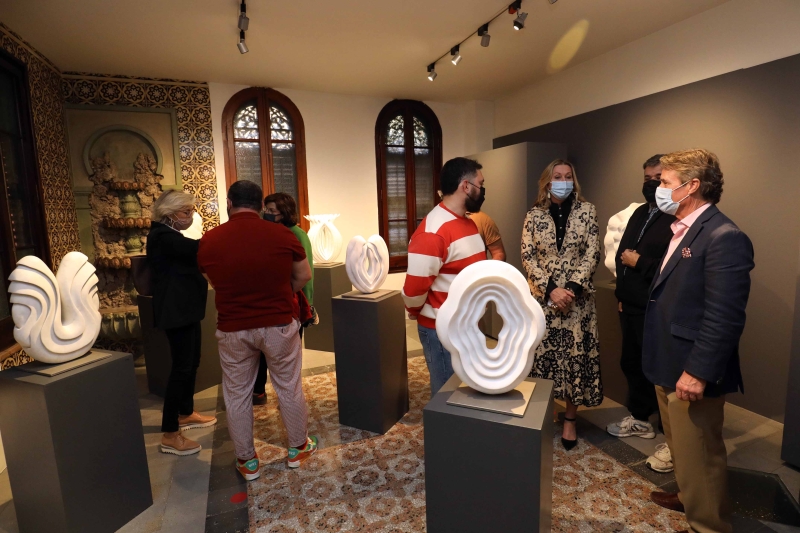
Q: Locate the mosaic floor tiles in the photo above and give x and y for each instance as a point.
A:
(360, 481)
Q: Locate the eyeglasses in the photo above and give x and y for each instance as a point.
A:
(469, 182)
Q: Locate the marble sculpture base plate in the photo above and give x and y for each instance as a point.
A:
(513, 402)
(364, 296)
(44, 369)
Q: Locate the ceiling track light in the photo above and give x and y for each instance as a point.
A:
(455, 55)
(432, 71)
(519, 22)
(553, 1)
(242, 45)
(244, 21)
(483, 33)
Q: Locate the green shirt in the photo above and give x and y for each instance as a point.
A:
(302, 236)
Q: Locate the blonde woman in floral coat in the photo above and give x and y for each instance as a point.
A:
(560, 252)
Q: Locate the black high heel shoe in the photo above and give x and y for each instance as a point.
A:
(569, 444)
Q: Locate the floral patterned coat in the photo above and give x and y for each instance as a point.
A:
(569, 354)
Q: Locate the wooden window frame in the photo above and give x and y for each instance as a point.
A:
(29, 159)
(263, 97)
(408, 109)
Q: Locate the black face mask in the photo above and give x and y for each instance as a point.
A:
(473, 205)
(269, 217)
(649, 190)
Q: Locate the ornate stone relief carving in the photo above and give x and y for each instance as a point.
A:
(367, 263)
(616, 227)
(56, 318)
(326, 241)
(502, 368)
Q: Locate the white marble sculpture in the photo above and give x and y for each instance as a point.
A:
(195, 231)
(57, 318)
(367, 263)
(616, 227)
(326, 241)
(502, 368)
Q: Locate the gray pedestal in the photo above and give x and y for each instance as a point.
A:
(158, 360)
(329, 281)
(790, 451)
(615, 385)
(486, 471)
(371, 361)
(75, 448)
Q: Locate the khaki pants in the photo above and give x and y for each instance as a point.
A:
(694, 436)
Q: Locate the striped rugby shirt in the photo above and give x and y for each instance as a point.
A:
(441, 247)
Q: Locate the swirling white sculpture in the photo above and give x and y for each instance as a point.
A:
(56, 318)
(195, 231)
(616, 227)
(326, 241)
(502, 368)
(367, 263)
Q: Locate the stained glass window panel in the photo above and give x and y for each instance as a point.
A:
(398, 238)
(420, 133)
(248, 161)
(423, 180)
(396, 182)
(280, 124)
(19, 197)
(245, 122)
(394, 133)
(284, 168)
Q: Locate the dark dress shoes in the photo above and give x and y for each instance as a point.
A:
(566, 443)
(667, 500)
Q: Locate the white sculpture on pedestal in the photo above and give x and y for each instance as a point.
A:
(502, 368)
(616, 227)
(57, 318)
(326, 241)
(367, 263)
(195, 231)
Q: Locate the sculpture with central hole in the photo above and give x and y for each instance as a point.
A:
(367, 263)
(491, 370)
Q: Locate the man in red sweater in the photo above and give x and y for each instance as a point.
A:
(256, 267)
(445, 243)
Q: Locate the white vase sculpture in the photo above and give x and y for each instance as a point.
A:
(616, 227)
(367, 263)
(326, 241)
(56, 318)
(502, 368)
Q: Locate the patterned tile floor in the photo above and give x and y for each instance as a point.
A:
(360, 481)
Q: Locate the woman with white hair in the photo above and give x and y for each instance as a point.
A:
(179, 305)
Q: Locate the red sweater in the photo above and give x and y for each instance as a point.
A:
(249, 262)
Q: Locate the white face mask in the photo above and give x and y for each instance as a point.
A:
(561, 189)
(664, 199)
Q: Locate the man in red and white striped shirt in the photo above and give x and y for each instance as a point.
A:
(443, 245)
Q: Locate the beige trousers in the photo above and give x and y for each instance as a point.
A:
(694, 436)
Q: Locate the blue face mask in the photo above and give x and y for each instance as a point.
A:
(561, 189)
(665, 202)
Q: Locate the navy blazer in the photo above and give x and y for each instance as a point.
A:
(696, 312)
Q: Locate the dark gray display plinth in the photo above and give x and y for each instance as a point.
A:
(486, 471)
(157, 357)
(329, 281)
(371, 361)
(75, 447)
(615, 385)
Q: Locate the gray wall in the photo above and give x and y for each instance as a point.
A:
(751, 120)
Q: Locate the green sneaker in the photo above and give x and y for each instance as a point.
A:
(249, 469)
(298, 455)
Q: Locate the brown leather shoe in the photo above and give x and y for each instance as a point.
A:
(177, 444)
(195, 420)
(667, 500)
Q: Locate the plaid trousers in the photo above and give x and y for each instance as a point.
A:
(238, 356)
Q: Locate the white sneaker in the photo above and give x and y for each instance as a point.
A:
(630, 427)
(661, 460)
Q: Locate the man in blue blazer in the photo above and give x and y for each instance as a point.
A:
(694, 319)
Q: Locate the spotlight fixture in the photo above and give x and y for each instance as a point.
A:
(519, 22)
(455, 55)
(553, 1)
(432, 71)
(483, 33)
(242, 45)
(244, 22)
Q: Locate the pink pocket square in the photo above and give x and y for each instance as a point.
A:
(686, 252)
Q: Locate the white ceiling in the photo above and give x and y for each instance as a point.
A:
(376, 48)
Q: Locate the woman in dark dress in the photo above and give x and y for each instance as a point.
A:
(179, 304)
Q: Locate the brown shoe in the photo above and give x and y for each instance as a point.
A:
(177, 444)
(667, 500)
(195, 420)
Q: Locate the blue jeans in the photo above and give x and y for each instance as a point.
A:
(437, 358)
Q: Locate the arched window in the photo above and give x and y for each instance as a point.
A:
(408, 147)
(264, 141)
